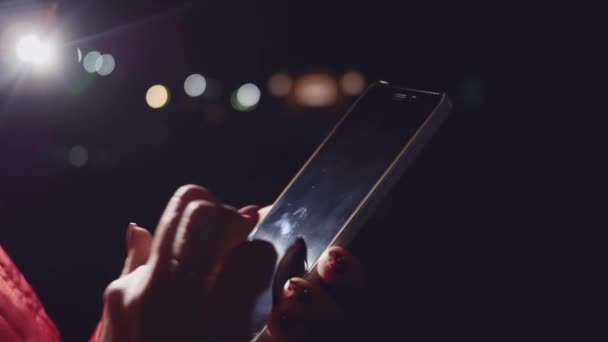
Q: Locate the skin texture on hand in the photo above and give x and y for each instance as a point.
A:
(313, 309)
(198, 278)
(201, 277)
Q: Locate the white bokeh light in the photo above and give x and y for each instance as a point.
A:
(195, 85)
(78, 156)
(105, 64)
(248, 95)
(31, 49)
(90, 61)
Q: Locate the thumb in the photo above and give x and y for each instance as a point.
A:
(139, 242)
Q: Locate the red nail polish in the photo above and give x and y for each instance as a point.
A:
(336, 262)
(296, 292)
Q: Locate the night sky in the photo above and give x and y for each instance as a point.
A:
(492, 235)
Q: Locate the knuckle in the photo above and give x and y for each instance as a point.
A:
(191, 191)
(200, 208)
(116, 298)
(114, 293)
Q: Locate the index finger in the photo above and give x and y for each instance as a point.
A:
(161, 252)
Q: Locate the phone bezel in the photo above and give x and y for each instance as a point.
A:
(390, 176)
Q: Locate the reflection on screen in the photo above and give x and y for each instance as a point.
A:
(335, 182)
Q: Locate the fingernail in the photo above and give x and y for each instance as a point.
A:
(336, 262)
(129, 235)
(248, 210)
(296, 292)
(292, 264)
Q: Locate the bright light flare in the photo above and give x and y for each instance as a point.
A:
(30, 49)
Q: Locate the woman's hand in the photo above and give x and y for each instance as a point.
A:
(315, 309)
(198, 278)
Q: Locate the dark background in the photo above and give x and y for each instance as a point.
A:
(493, 233)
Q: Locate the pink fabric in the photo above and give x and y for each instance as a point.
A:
(22, 317)
(97, 333)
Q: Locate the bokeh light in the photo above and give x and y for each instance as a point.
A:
(79, 54)
(280, 84)
(195, 85)
(78, 156)
(352, 83)
(105, 64)
(90, 61)
(31, 49)
(157, 96)
(316, 90)
(246, 97)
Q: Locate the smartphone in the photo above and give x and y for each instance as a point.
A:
(338, 188)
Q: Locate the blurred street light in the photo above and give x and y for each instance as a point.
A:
(280, 84)
(105, 64)
(316, 90)
(31, 49)
(195, 85)
(90, 61)
(352, 83)
(157, 96)
(246, 97)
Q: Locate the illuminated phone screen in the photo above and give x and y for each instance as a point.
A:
(336, 180)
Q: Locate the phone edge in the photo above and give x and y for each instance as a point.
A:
(381, 188)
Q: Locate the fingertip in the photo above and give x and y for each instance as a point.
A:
(264, 211)
(129, 236)
(142, 240)
(191, 192)
(139, 251)
(250, 214)
(340, 269)
(249, 210)
(140, 234)
(305, 311)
